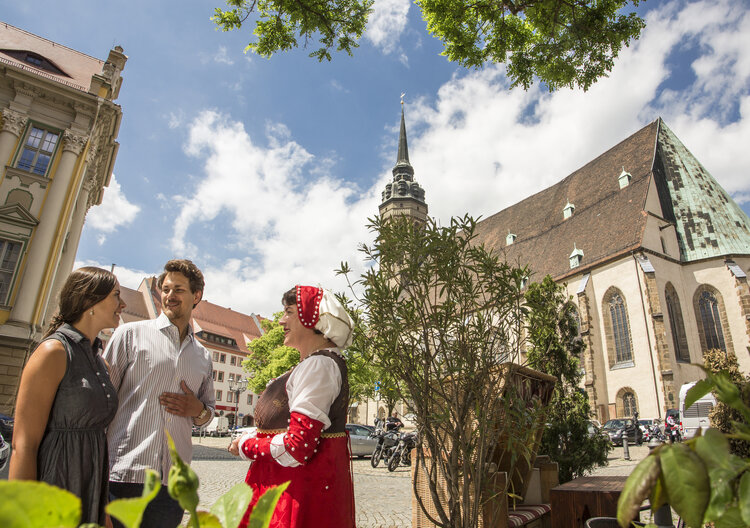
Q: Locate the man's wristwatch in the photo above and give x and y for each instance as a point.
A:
(202, 415)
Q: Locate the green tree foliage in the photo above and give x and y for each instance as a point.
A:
(723, 416)
(562, 42)
(268, 358)
(444, 313)
(336, 24)
(363, 367)
(556, 348)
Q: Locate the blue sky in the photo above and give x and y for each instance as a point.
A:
(264, 171)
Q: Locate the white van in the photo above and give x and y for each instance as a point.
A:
(696, 416)
(219, 426)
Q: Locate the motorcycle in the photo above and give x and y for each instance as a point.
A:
(672, 431)
(402, 453)
(387, 442)
(654, 431)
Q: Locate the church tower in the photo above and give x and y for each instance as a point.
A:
(403, 196)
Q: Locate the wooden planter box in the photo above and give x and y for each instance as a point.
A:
(533, 388)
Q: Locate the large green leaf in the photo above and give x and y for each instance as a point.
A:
(231, 506)
(686, 481)
(637, 489)
(721, 493)
(697, 391)
(30, 504)
(263, 510)
(130, 511)
(743, 493)
(731, 519)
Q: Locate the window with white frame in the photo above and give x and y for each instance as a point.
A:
(249, 399)
(218, 395)
(223, 358)
(9, 253)
(221, 376)
(37, 150)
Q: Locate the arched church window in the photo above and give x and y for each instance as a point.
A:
(629, 405)
(676, 324)
(710, 320)
(618, 318)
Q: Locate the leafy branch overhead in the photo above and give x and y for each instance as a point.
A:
(336, 24)
(561, 42)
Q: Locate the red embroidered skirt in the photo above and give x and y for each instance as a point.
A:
(320, 493)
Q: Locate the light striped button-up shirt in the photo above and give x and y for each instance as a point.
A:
(146, 359)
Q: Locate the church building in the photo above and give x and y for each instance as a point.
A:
(654, 253)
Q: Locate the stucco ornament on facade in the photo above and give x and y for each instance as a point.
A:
(14, 121)
(74, 142)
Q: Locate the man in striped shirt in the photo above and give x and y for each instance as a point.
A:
(163, 379)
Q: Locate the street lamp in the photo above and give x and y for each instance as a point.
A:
(237, 386)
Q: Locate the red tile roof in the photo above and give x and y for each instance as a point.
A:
(78, 66)
(607, 220)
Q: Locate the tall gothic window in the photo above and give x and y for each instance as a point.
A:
(710, 320)
(620, 329)
(676, 324)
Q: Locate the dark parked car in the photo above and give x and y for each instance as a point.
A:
(6, 427)
(618, 427)
(362, 443)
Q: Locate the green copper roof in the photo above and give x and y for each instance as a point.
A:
(708, 222)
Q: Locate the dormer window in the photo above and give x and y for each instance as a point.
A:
(509, 239)
(568, 210)
(34, 59)
(576, 257)
(624, 178)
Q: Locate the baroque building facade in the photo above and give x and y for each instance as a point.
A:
(58, 129)
(655, 255)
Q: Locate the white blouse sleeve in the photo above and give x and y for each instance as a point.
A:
(313, 386)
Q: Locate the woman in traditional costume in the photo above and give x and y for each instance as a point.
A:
(301, 419)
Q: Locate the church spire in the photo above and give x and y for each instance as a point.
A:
(403, 148)
(403, 196)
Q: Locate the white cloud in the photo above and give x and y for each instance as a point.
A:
(476, 147)
(222, 57)
(292, 220)
(386, 24)
(115, 211)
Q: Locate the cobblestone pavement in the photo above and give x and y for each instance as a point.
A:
(382, 499)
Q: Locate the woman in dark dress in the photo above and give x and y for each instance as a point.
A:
(65, 398)
(301, 419)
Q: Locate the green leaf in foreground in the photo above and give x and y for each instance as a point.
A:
(231, 506)
(208, 520)
(130, 511)
(263, 510)
(731, 519)
(30, 504)
(637, 489)
(687, 483)
(697, 391)
(744, 495)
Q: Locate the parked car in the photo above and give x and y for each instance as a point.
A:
(6, 427)
(239, 431)
(594, 428)
(363, 443)
(618, 427)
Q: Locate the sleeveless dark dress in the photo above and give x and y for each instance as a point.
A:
(73, 451)
(320, 492)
